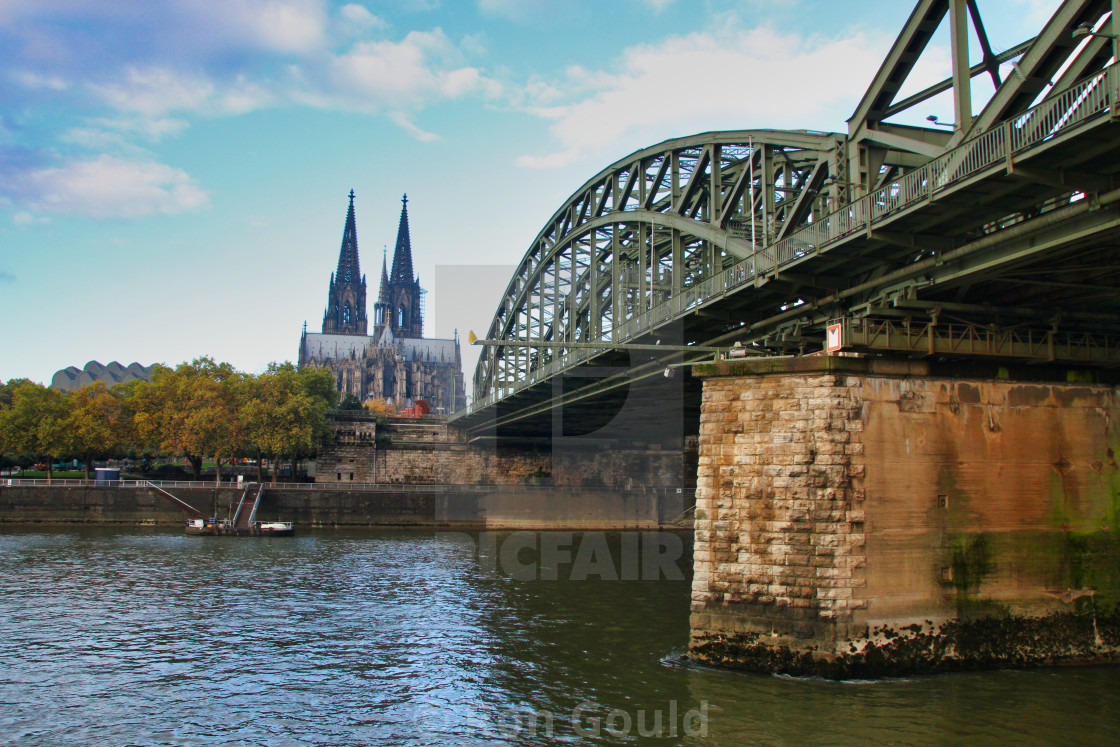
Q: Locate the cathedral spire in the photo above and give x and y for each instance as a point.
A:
(402, 255)
(399, 307)
(348, 269)
(346, 299)
(384, 273)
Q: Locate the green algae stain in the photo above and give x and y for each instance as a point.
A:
(970, 558)
(1110, 483)
(958, 511)
(1062, 515)
(1067, 637)
(1092, 562)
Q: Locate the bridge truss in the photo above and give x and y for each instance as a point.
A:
(1008, 223)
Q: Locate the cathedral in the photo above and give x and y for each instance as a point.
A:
(396, 363)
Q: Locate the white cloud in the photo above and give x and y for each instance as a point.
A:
(728, 79)
(397, 77)
(243, 95)
(217, 58)
(194, 27)
(556, 160)
(457, 83)
(369, 76)
(155, 91)
(119, 132)
(540, 93)
(409, 73)
(24, 218)
(473, 44)
(360, 18)
(153, 129)
(286, 26)
(36, 81)
(107, 187)
(402, 120)
(658, 5)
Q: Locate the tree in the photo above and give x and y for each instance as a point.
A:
(131, 444)
(192, 410)
(35, 422)
(284, 411)
(8, 455)
(381, 408)
(8, 390)
(349, 403)
(97, 424)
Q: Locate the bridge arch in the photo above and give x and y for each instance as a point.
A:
(648, 228)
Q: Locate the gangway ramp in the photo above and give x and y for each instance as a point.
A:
(246, 514)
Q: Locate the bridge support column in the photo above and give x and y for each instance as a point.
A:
(864, 518)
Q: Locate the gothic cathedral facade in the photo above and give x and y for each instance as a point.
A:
(395, 363)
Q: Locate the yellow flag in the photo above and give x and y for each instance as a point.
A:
(471, 337)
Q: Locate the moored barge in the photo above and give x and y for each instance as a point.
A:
(219, 527)
(244, 517)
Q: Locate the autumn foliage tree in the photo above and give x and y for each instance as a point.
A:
(7, 450)
(198, 410)
(284, 411)
(191, 411)
(381, 407)
(34, 422)
(97, 424)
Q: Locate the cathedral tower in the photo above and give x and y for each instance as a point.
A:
(346, 300)
(396, 363)
(398, 304)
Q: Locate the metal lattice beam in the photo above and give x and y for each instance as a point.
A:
(647, 229)
(762, 236)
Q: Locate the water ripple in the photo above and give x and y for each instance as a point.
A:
(351, 638)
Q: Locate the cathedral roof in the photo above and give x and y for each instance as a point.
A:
(334, 346)
(337, 347)
(348, 269)
(402, 254)
(431, 349)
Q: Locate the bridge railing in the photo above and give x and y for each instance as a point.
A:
(1079, 103)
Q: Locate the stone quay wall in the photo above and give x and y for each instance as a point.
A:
(521, 507)
(412, 452)
(414, 472)
(859, 518)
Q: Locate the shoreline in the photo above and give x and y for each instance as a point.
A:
(398, 506)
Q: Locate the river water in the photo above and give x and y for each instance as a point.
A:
(149, 637)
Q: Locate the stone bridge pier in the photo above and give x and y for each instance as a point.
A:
(864, 517)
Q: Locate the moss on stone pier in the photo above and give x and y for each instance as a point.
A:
(1081, 636)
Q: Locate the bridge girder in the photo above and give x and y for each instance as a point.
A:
(878, 150)
(651, 226)
(787, 220)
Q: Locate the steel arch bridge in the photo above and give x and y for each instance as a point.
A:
(764, 237)
(649, 228)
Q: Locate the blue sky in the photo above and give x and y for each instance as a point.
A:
(174, 175)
